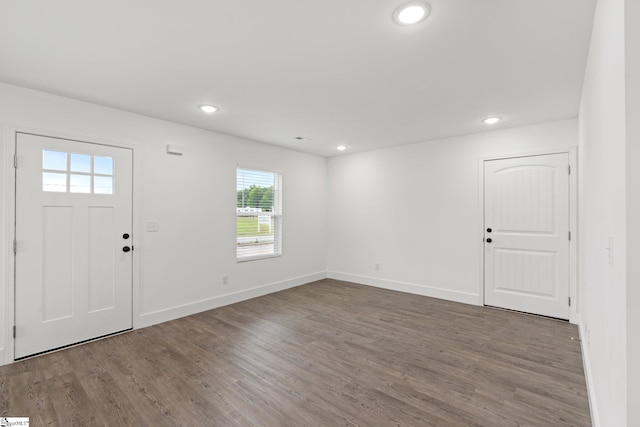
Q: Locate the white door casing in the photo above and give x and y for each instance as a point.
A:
(527, 250)
(73, 281)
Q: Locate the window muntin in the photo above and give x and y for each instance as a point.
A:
(77, 173)
(258, 214)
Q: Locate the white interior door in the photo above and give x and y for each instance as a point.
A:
(73, 225)
(527, 234)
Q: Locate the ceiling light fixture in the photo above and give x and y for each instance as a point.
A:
(411, 13)
(302, 139)
(341, 147)
(491, 120)
(209, 109)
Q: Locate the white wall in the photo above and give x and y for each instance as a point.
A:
(415, 210)
(632, 63)
(178, 269)
(602, 214)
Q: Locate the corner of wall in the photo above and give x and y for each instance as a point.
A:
(413, 288)
(591, 394)
(6, 216)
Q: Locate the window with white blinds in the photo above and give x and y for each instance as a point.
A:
(258, 214)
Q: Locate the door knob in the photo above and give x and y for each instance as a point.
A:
(126, 249)
(489, 240)
(489, 230)
(125, 236)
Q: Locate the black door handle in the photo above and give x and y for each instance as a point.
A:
(489, 230)
(489, 240)
(125, 236)
(126, 249)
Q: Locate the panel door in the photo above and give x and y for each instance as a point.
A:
(527, 234)
(73, 275)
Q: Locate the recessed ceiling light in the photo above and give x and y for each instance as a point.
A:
(491, 120)
(302, 139)
(341, 147)
(411, 13)
(209, 108)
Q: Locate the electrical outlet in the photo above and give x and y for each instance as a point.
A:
(225, 279)
(151, 226)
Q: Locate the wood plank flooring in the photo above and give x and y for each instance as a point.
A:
(325, 354)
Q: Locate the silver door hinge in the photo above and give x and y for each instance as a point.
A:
(14, 331)
(569, 169)
(569, 235)
(569, 301)
(15, 161)
(15, 246)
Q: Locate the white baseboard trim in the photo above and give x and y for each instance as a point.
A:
(591, 394)
(5, 358)
(172, 313)
(412, 288)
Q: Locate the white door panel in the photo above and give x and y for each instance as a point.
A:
(527, 234)
(73, 206)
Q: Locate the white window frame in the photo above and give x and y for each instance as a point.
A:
(276, 216)
(69, 173)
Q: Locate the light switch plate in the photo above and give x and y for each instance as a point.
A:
(151, 226)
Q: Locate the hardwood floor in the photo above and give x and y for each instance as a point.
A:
(325, 354)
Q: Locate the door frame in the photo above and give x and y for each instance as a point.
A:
(574, 309)
(7, 298)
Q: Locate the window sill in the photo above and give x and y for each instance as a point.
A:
(257, 257)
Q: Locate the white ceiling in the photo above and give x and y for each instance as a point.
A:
(335, 71)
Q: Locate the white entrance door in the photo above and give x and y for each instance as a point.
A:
(527, 234)
(73, 225)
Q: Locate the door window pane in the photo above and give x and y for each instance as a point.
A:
(80, 163)
(54, 160)
(80, 184)
(54, 182)
(81, 174)
(103, 165)
(103, 185)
